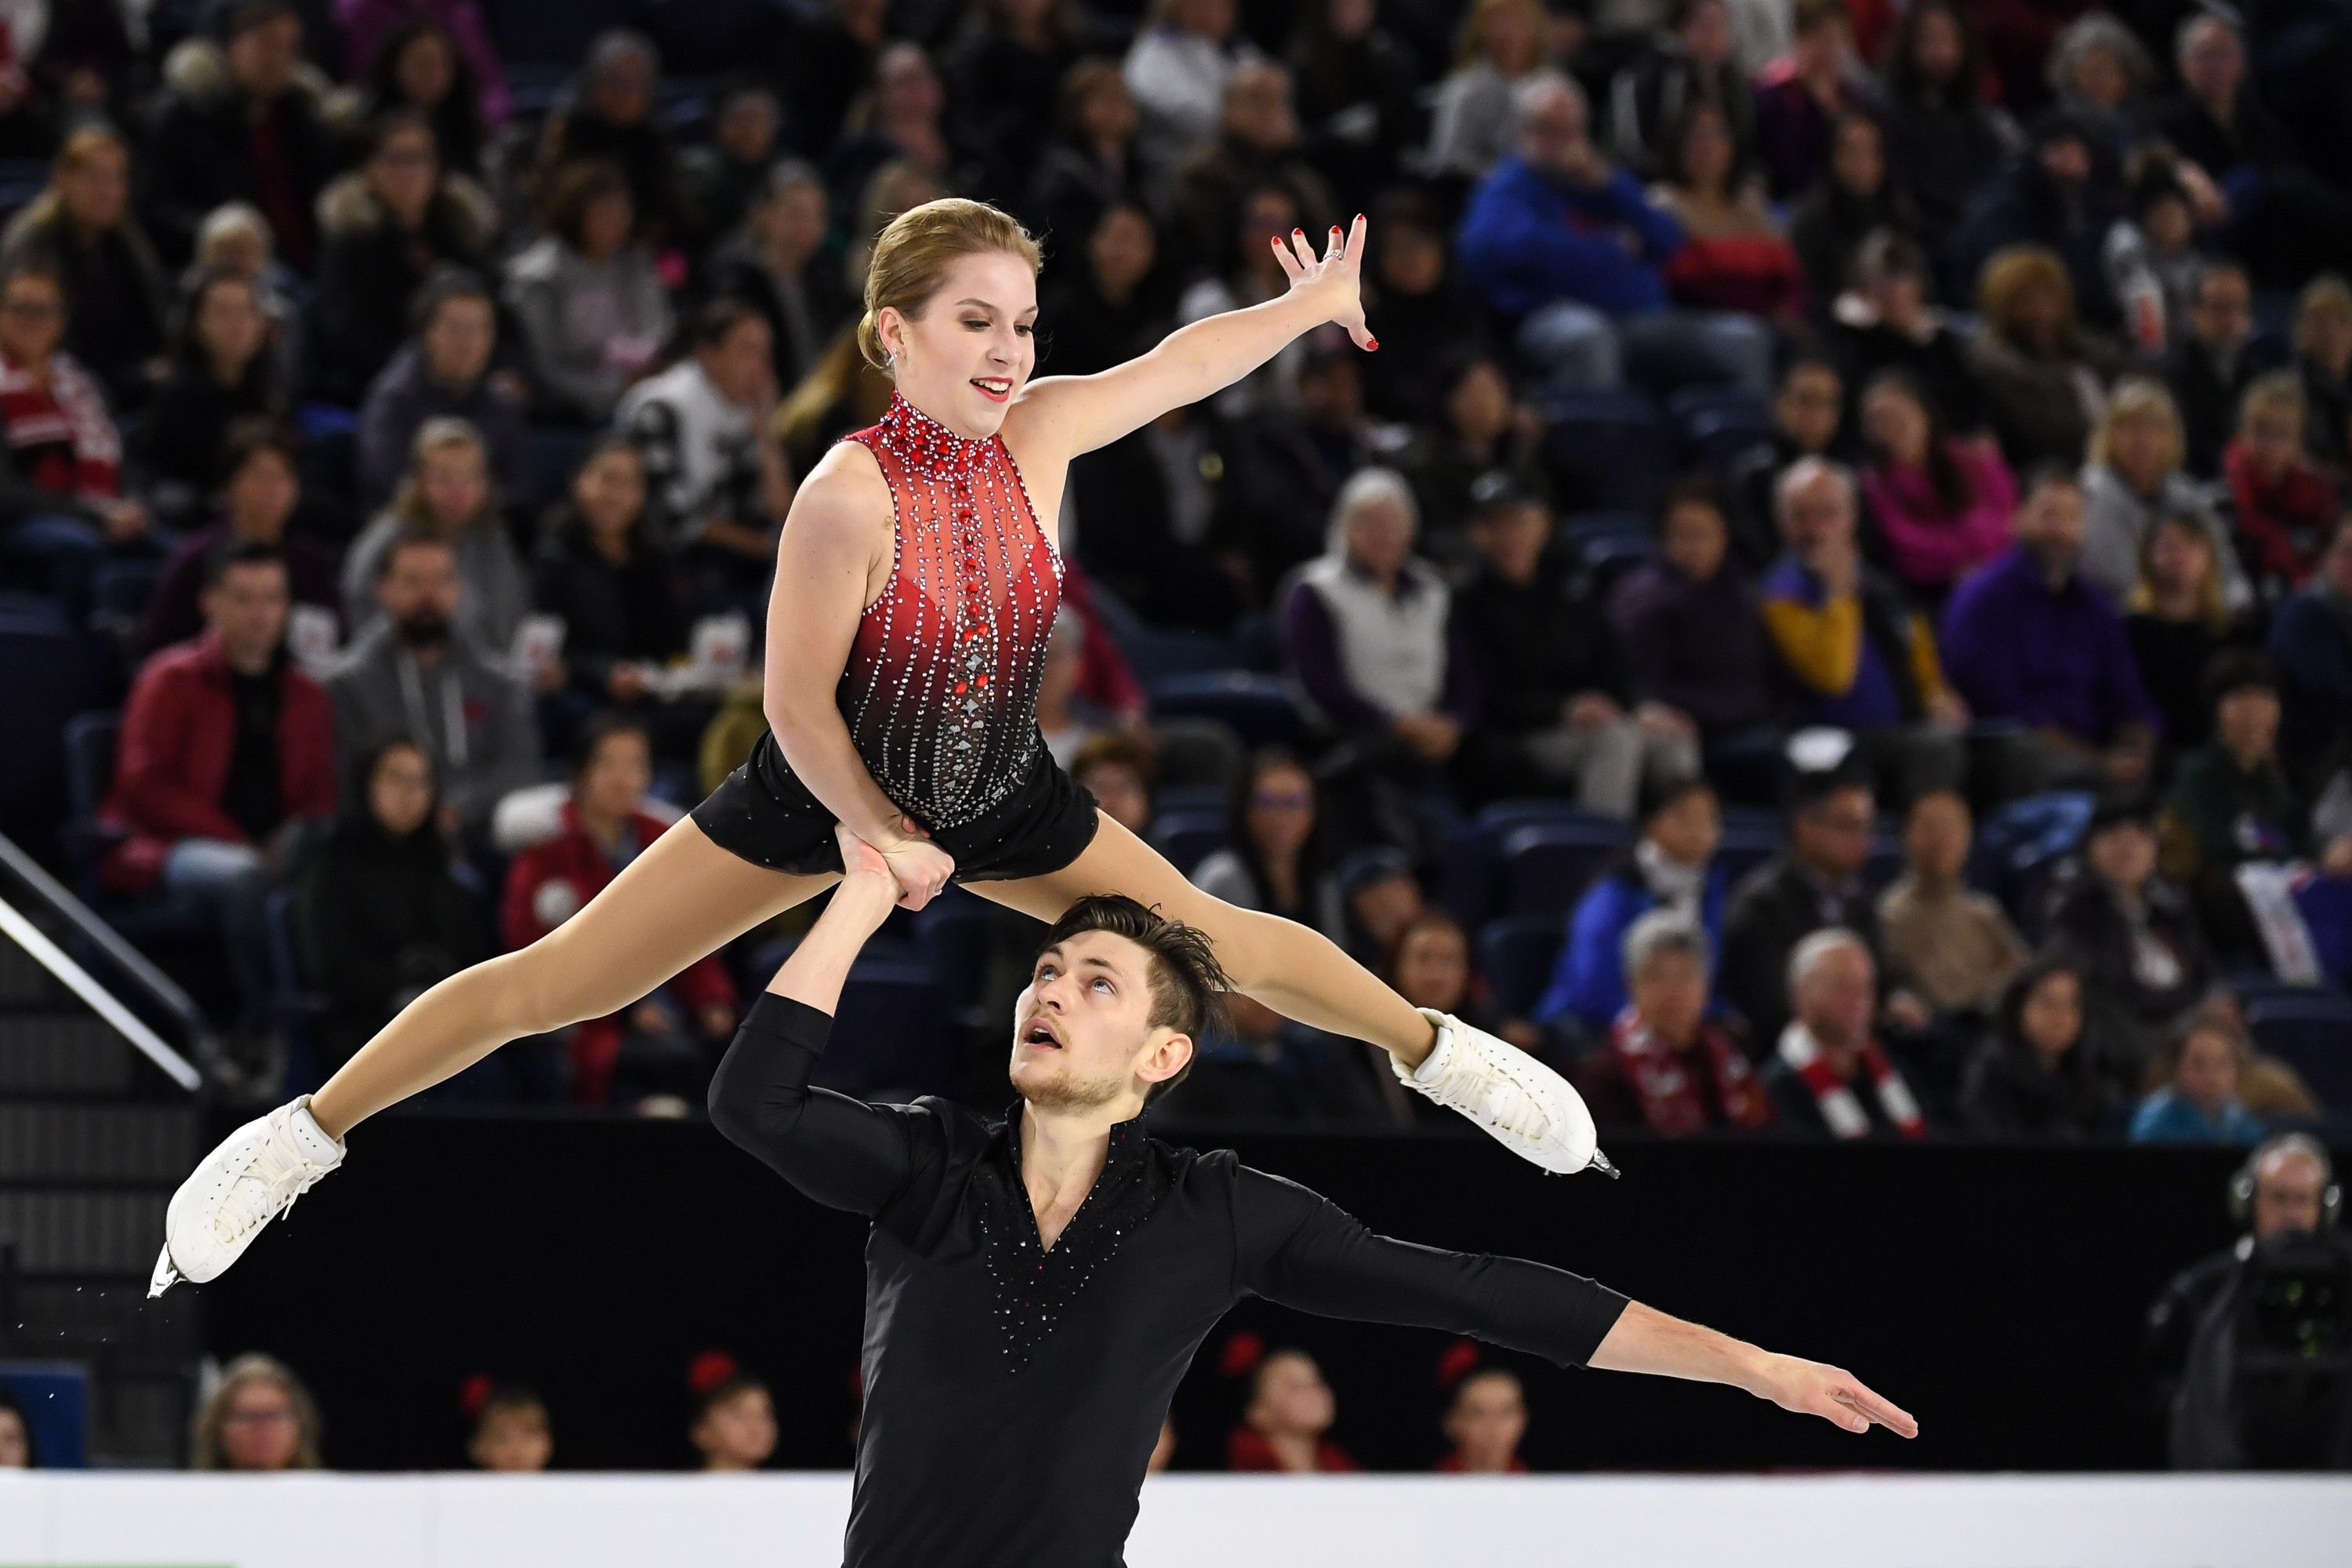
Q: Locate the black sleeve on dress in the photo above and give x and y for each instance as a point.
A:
(842, 1152)
(1297, 1247)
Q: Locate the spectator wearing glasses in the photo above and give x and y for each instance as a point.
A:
(1815, 883)
(1275, 857)
(82, 227)
(258, 1419)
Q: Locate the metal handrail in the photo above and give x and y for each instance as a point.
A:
(159, 987)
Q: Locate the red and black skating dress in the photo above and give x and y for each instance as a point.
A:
(940, 691)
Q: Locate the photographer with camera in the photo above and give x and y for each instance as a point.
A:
(2252, 1347)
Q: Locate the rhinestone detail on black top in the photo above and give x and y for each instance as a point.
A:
(1035, 1285)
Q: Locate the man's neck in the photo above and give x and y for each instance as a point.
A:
(429, 656)
(244, 661)
(1062, 1152)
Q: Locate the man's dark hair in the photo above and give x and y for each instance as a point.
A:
(443, 284)
(2046, 473)
(2240, 671)
(1188, 983)
(1659, 792)
(1811, 788)
(232, 553)
(1690, 489)
(412, 536)
(248, 438)
(721, 317)
(238, 18)
(600, 728)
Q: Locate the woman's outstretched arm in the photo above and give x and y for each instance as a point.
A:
(1063, 415)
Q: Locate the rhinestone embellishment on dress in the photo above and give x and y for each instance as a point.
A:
(941, 690)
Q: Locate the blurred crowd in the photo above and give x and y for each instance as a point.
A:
(1830, 607)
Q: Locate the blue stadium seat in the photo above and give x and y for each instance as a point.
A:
(1718, 439)
(1545, 867)
(1196, 800)
(890, 1038)
(1188, 837)
(296, 1004)
(956, 934)
(1516, 955)
(47, 675)
(1581, 528)
(1613, 448)
(1261, 709)
(2311, 1031)
(1474, 851)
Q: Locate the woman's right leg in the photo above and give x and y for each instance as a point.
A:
(682, 898)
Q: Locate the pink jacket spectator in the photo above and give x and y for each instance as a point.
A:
(1930, 545)
(365, 22)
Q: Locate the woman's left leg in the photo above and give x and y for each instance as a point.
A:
(1294, 969)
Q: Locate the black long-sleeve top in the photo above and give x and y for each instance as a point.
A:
(1012, 1393)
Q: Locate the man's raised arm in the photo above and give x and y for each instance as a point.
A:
(843, 1152)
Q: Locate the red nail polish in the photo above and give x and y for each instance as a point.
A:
(1299, 232)
(1373, 344)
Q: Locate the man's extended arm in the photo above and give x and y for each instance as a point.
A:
(1302, 1251)
(843, 1152)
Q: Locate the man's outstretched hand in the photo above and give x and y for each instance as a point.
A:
(1810, 1388)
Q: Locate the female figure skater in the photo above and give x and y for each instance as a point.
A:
(916, 579)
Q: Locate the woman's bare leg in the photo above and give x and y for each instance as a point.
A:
(1294, 969)
(682, 898)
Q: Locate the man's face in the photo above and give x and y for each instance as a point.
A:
(739, 363)
(1936, 839)
(2248, 720)
(1837, 999)
(421, 582)
(1512, 539)
(2224, 315)
(32, 318)
(2123, 854)
(2212, 62)
(1807, 407)
(1832, 837)
(458, 339)
(262, 57)
(2066, 161)
(1553, 138)
(1120, 790)
(1082, 1029)
(2287, 1188)
(2050, 524)
(1688, 828)
(247, 610)
(1379, 536)
(1817, 513)
(1257, 109)
(1693, 542)
(1669, 994)
(1384, 906)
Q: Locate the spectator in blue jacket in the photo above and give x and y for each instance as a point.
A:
(2028, 639)
(1572, 249)
(1673, 866)
(2311, 643)
(2199, 1102)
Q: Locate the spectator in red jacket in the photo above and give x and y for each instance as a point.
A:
(665, 1045)
(1283, 1427)
(227, 751)
(2284, 504)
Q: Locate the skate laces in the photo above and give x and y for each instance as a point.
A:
(1484, 1087)
(265, 1190)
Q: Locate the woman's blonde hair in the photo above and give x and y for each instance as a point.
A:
(2279, 391)
(441, 434)
(1472, 38)
(2140, 397)
(912, 255)
(2323, 295)
(205, 1435)
(842, 382)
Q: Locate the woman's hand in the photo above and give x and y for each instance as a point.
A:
(1336, 276)
(919, 867)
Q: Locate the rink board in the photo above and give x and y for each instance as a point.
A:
(69, 1521)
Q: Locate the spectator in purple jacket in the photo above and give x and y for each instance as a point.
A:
(1572, 249)
(2028, 638)
(1689, 634)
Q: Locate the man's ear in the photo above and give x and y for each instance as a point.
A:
(1166, 1053)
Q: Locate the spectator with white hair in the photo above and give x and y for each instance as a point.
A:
(1370, 632)
(1860, 658)
(1828, 1075)
(1667, 1067)
(1574, 250)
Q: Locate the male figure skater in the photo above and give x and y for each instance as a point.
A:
(1035, 1288)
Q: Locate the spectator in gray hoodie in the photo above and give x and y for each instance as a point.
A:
(417, 674)
(593, 308)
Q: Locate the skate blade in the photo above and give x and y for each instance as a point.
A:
(165, 1275)
(1600, 1163)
